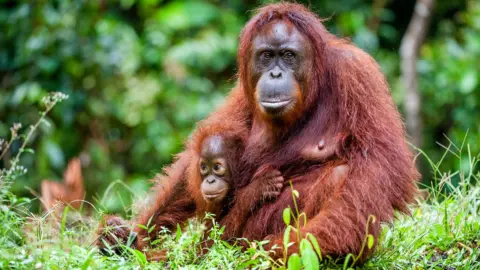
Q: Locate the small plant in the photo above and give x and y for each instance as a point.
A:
(14, 210)
(9, 173)
(310, 255)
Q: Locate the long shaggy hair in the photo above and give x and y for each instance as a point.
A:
(346, 94)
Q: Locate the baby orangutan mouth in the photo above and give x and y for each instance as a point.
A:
(214, 196)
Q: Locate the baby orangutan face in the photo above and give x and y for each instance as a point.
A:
(214, 169)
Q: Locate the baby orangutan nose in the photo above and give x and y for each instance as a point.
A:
(210, 180)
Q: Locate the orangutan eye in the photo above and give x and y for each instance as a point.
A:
(267, 55)
(218, 169)
(203, 167)
(288, 55)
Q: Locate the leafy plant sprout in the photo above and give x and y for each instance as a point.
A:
(15, 170)
(310, 252)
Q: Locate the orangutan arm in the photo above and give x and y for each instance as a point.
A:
(170, 203)
(266, 184)
(353, 207)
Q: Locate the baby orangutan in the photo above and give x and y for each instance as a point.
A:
(213, 174)
(218, 165)
(210, 179)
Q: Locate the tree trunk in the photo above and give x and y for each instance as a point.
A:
(409, 50)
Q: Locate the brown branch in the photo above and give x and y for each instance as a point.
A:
(409, 50)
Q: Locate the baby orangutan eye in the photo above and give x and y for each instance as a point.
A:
(203, 167)
(218, 169)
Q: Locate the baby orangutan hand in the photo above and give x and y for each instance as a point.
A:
(269, 182)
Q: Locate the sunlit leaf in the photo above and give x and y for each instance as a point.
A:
(286, 236)
(178, 233)
(315, 244)
(305, 245)
(294, 262)
(370, 241)
(310, 259)
(287, 215)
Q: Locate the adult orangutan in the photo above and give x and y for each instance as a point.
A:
(300, 89)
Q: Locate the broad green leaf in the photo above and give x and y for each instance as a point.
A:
(286, 236)
(315, 244)
(287, 215)
(458, 219)
(140, 257)
(155, 242)
(294, 262)
(305, 245)
(28, 150)
(151, 228)
(310, 259)
(142, 227)
(370, 241)
(439, 230)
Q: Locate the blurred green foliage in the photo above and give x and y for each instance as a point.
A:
(141, 73)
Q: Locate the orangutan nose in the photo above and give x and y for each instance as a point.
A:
(276, 73)
(211, 180)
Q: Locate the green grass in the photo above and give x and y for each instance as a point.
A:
(443, 232)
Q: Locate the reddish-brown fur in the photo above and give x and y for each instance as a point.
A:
(235, 134)
(170, 202)
(345, 95)
(240, 204)
(70, 191)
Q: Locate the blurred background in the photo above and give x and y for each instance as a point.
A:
(141, 73)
